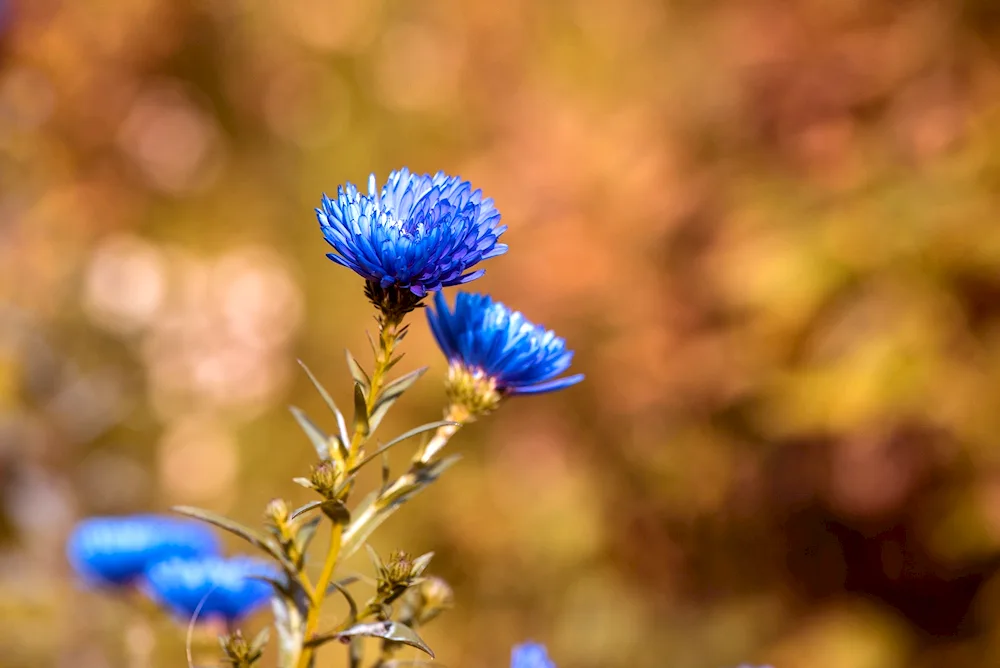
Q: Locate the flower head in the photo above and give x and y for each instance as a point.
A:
(213, 587)
(420, 234)
(530, 655)
(495, 350)
(118, 550)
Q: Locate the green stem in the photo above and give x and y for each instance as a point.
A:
(455, 413)
(389, 333)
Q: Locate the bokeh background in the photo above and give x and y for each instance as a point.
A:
(768, 227)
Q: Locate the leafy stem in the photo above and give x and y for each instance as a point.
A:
(391, 332)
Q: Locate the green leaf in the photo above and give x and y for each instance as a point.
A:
(385, 471)
(352, 604)
(430, 426)
(279, 586)
(358, 373)
(321, 442)
(301, 510)
(376, 560)
(260, 640)
(421, 563)
(246, 533)
(232, 526)
(344, 438)
(360, 411)
(402, 384)
(390, 394)
(305, 534)
(394, 361)
(388, 630)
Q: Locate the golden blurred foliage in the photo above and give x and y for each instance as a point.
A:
(768, 228)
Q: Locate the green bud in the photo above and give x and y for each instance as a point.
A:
(240, 653)
(277, 512)
(326, 478)
(436, 596)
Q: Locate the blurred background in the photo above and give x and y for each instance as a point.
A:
(768, 228)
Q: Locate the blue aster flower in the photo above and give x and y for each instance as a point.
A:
(530, 655)
(118, 550)
(421, 233)
(486, 341)
(223, 588)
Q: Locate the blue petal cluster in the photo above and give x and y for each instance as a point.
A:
(484, 335)
(118, 550)
(530, 655)
(422, 233)
(223, 588)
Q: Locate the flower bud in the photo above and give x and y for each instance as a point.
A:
(326, 478)
(276, 512)
(436, 596)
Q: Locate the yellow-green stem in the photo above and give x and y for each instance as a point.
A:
(455, 413)
(389, 329)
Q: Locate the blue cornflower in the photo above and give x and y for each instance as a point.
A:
(487, 341)
(422, 233)
(118, 550)
(530, 655)
(226, 588)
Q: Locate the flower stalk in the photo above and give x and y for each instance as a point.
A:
(392, 311)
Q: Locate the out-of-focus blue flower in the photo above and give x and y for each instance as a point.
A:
(530, 655)
(421, 233)
(226, 588)
(486, 337)
(118, 550)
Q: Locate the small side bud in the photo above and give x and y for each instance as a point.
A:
(326, 479)
(397, 574)
(435, 596)
(240, 653)
(276, 512)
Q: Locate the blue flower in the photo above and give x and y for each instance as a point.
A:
(422, 233)
(118, 550)
(226, 588)
(530, 655)
(486, 338)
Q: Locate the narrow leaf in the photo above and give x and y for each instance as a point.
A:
(421, 563)
(246, 533)
(385, 471)
(352, 604)
(329, 402)
(394, 361)
(232, 526)
(360, 411)
(430, 426)
(376, 560)
(321, 442)
(305, 534)
(260, 640)
(357, 372)
(301, 510)
(378, 413)
(401, 384)
(279, 586)
(389, 630)
(304, 482)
